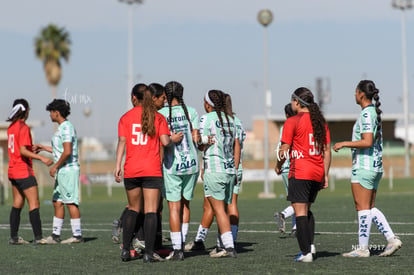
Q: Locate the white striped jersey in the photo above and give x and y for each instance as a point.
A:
(66, 133)
(181, 158)
(367, 158)
(218, 157)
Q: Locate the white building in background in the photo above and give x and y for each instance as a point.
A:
(92, 149)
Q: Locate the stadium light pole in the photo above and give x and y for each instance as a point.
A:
(130, 76)
(404, 5)
(265, 17)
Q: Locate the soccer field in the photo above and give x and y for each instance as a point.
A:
(261, 248)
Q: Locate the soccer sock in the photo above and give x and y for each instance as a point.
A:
(176, 240)
(227, 240)
(139, 228)
(311, 222)
(14, 222)
(365, 221)
(150, 227)
(289, 211)
(36, 223)
(303, 234)
(184, 231)
(201, 234)
(76, 227)
(158, 236)
(123, 214)
(128, 226)
(234, 231)
(57, 226)
(382, 224)
(219, 241)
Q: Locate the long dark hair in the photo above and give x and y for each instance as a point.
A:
(305, 99)
(371, 92)
(18, 113)
(141, 92)
(174, 89)
(218, 99)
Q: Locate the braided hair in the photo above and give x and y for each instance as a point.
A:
(218, 99)
(141, 92)
(174, 89)
(371, 92)
(305, 99)
(229, 106)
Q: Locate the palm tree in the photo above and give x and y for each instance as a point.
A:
(51, 45)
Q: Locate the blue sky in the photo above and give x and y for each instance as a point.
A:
(216, 44)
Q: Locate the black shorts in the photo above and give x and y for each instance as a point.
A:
(23, 184)
(303, 190)
(143, 182)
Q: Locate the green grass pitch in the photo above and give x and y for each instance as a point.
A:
(261, 248)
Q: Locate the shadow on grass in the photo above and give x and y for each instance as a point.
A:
(85, 240)
(326, 254)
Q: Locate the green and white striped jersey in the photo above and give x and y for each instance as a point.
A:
(181, 158)
(367, 158)
(218, 157)
(66, 133)
(241, 135)
(286, 165)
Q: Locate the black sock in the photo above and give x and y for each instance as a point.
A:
(14, 222)
(158, 237)
(302, 234)
(34, 217)
(123, 214)
(311, 221)
(128, 226)
(150, 231)
(139, 228)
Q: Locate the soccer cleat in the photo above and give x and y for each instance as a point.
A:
(194, 246)
(280, 219)
(40, 241)
(393, 246)
(217, 252)
(53, 239)
(304, 258)
(152, 258)
(175, 255)
(116, 230)
(17, 241)
(357, 253)
(73, 239)
(125, 255)
(231, 252)
(137, 244)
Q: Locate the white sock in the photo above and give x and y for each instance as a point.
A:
(57, 226)
(201, 234)
(76, 227)
(227, 239)
(219, 241)
(382, 224)
(184, 231)
(289, 211)
(234, 231)
(364, 223)
(176, 240)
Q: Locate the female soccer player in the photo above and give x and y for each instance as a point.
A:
(221, 163)
(367, 170)
(306, 140)
(280, 217)
(66, 171)
(140, 132)
(21, 174)
(180, 165)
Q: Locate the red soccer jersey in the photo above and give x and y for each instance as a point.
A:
(306, 160)
(18, 134)
(142, 151)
